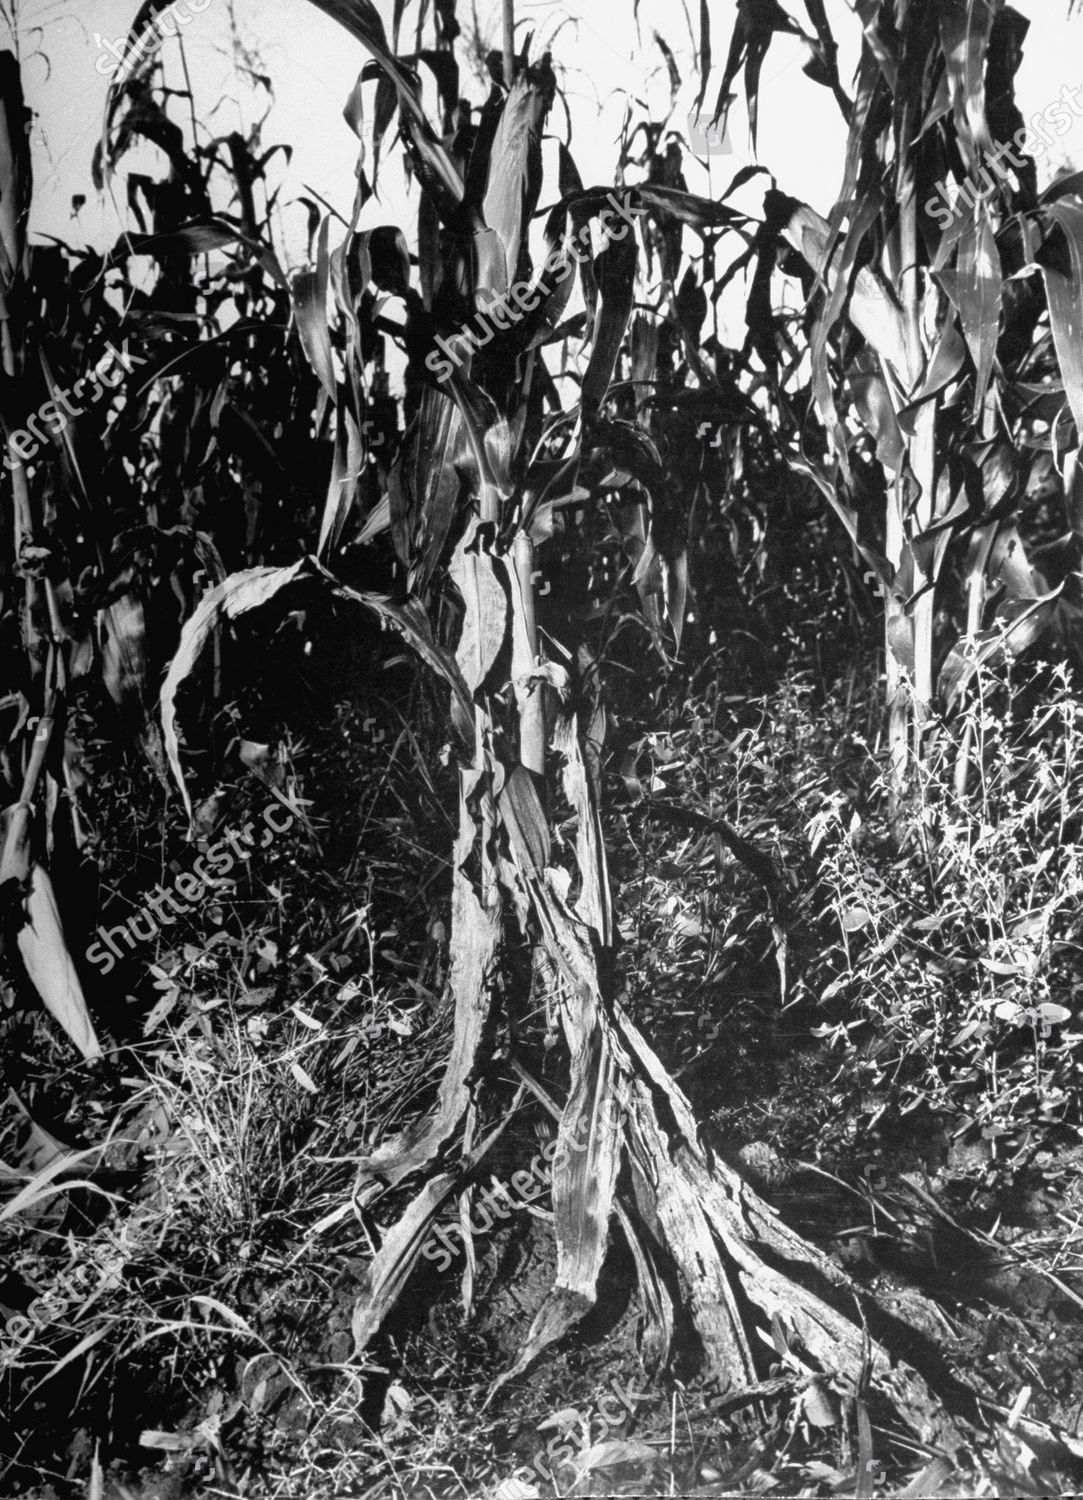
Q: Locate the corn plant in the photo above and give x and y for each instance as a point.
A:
(214, 406)
(930, 280)
(34, 572)
(490, 466)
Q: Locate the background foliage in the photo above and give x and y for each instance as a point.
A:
(830, 771)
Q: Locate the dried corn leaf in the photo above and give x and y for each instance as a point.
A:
(472, 956)
(594, 906)
(584, 1178)
(40, 937)
(49, 966)
(387, 1273)
(657, 1337)
(754, 1243)
(485, 624)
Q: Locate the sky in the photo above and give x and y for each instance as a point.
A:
(606, 57)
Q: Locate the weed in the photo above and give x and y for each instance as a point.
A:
(956, 941)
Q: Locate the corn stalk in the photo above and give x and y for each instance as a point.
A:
(936, 373)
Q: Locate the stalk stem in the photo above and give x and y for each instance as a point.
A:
(509, 43)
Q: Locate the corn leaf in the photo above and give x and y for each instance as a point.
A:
(975, 287)
(197, 237)
(15, 173)
(965, 27)
(427, 486)
(341, 488)
(755, 27)
(310, 310)
(594, 906)
(255, 587)
(1065, 294)
(362, 20)
(485, 625)
(386, 1275)
(1020, 624)
(616, 270)
(49, 967)
(584, 1179)
(40, 937)
(514, 167)
(122, 639)
(872, 305)
(473, 955)
(523, 816)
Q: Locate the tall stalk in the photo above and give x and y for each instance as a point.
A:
(509, 43)
(922, 465)
(525, 649)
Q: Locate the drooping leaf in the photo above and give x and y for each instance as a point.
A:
(874, 405)
(389, 259)
(384, 1278)
(197, 237)
(833, 492)
(39, 935)
(574, 206)
(235, 595)
(704, 52)
(667, 204)
(253, 588)
(947, 360)
(15, 171)
(823, 66)
(1070, 185)
(488, 445)
(755, 27)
